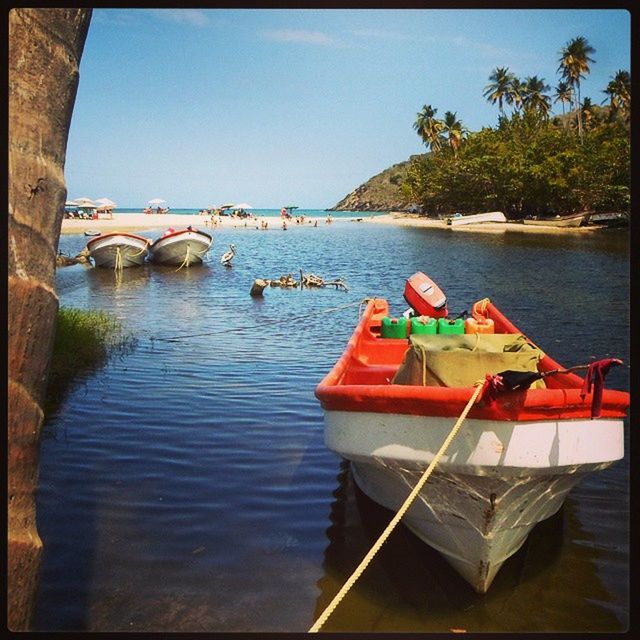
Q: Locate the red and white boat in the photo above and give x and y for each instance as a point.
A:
(118, 250)
(516, 456)
(182, 248)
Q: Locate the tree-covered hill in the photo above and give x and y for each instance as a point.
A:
(383, 192)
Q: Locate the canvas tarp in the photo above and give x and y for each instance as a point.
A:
(461, 360)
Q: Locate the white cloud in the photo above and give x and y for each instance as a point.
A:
(194, 17)
(380, 33)
(300, 36)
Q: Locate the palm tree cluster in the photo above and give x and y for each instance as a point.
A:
(436, 134)
(531, 163)
(531, 95)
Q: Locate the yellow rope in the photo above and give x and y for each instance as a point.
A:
(246, 327)
(396, 519)
(118, 262)
(483, 305)
(186, 259)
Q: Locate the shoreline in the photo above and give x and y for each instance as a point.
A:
(130, 222)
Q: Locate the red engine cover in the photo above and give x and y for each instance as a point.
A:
(425, 297)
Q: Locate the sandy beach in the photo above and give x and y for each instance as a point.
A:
(144, 222)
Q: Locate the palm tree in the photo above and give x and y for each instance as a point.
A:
(45, 46)
(574, 64)
(515, 95)
(588, 112)
(428, 127)
(619, 92)
(454, 131)
(500, 88)
(534, 98)
(563, 94)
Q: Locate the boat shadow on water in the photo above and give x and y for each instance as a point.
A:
(409, 586)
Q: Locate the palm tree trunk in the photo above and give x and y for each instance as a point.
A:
(579, 108)
(45, 46)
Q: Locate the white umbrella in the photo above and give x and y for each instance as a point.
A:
(156, 201)
(242, 205)
(105, 202)
(85, 202)
(70, 203)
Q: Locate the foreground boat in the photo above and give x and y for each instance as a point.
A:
(183, 248)
(118, 250)
(574, 220)
(390, 403)
(476, 218)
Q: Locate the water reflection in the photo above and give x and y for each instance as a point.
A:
(409, 587)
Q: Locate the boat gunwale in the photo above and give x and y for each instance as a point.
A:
(565, 402)
(174, 234)
(111, 234)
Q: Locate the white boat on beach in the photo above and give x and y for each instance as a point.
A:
(182, 248)
(118, 250)
(476, 218)
(391, 402)
(573, 220)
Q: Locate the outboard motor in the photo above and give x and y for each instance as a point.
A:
(425, 297)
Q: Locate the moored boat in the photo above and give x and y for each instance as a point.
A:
(118, 250)
(390, 403)
(573, 220)
(184, 247)
(475, 218)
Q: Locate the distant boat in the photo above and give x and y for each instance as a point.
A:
(573, 220)
(609, 220)
(118, 250)
(182, 248)
(476, 218)
(89, 232)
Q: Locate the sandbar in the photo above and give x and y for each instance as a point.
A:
(143, 221)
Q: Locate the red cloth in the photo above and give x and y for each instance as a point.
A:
(594, 379)
(493, 385)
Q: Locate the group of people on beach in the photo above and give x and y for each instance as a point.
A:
(158, 209)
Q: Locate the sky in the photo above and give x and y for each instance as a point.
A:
(276, 107)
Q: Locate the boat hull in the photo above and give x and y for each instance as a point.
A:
(184, 248)
(118, 250)
(563, 222)
(477, 218)
(494, 484)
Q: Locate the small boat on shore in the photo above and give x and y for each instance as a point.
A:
(184, 247)
(609, 220)
(573, 220)
(390, 402)
(118, 250)
(475, 218)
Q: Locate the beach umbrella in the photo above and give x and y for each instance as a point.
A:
(85, 202)
(70, 203)
(156, 201)
(242, 205)
(225, 206)
(105, 202)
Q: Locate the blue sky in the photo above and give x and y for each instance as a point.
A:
(279, 106)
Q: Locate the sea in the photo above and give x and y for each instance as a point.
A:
(185, 485)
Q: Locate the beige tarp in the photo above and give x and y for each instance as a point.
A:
(461, 360)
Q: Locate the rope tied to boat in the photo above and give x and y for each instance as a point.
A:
(480, 307)
(119, 263)
(249, 327)
(185, 262)
(324, 616)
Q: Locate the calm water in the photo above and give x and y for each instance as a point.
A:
(186, 485)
